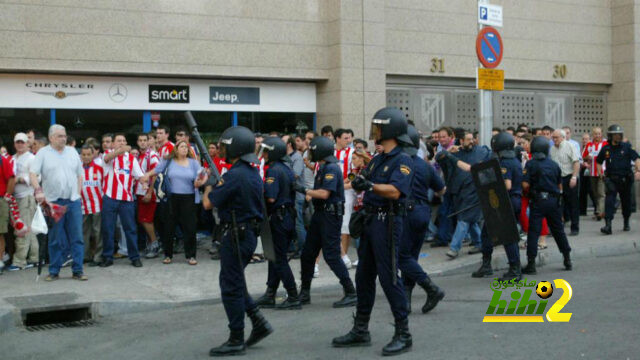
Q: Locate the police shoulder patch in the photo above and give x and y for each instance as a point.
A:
(270, 180)
(504, 170)
(405, 169)
(329, 177)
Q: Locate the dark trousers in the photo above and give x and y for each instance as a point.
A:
(181, 210)
(548, 209)
(111, 209)
(374, 260)
(585, 194)
(445, 223)
(570, 198)
(415, 227)
(282, 231)
(613, 187)
(323, 234)
(512, 250)
(235, 298)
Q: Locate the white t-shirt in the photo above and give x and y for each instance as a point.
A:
(23, 164)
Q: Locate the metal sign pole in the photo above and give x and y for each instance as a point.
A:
(486, 104)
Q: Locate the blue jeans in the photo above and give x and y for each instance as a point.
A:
(67, 234)
(300, 230)
(126, 210)
(462, 229)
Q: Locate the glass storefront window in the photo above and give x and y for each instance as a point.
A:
(13, 121)
(82, 124)
(211, 124)
(266, 122)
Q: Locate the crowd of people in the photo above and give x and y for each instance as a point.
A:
(118, 200)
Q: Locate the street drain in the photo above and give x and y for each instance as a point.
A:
(58, 318)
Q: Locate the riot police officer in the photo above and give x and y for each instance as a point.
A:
(502, 144)
(238, 198)
(416, 223)
(279, 192)
(543, 179)
(326, 221)
(619, 177)
(386, 182)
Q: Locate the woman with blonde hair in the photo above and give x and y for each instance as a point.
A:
(184, 175)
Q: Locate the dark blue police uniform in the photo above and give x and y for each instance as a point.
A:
(278, 185)
(374, 252)
(417, 220)
(619, 177)
(511, 169)
(324, 230)
(544, 177)
(240, 190)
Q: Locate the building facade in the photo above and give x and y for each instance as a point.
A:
(567, 62)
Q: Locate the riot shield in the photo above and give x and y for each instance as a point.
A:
(495, 203)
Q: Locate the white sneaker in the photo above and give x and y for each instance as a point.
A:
(316, 271)
(355, 263)
(5, 257)
(346, 261)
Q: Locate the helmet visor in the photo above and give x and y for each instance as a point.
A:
(375, 133)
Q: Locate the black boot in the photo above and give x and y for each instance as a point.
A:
(485, 269)
(607, 227)
(567, 261)
(434, 295)
(358, 336)
(234, 346)
(349, 299)
(305, 293)
(626, 225)
(268, 300)
(261, 327)
(292, 302)
(401, 341)
(531, 266)
(407, 292)
(514, 273)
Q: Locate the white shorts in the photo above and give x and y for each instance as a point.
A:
(349, 198)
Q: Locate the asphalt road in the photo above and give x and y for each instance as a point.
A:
(604, 325)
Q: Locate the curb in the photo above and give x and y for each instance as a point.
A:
(10, 318)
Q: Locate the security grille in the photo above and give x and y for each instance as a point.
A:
(588, 112)
(467, 114)
(512, 109)
(400, 99)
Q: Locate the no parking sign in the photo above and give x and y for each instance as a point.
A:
(489, 47)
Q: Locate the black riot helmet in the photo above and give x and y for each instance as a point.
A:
(413, 134)
(503, 144)
(540, 147)
(389, 123)
(613, 130)
(321, 148)
(239, 142)
(276, 148)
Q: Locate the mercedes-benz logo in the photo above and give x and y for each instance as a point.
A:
(118, 92)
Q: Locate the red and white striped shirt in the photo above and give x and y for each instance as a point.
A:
(165, 150)
(261, 167)
(345, 157)
(91, 193)
(593, 149)
(148, 161)
(118, 176)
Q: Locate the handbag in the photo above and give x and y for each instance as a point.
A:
(39, 224)
(162, 185)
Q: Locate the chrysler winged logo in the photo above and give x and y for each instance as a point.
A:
(57, 87)
(118, 92)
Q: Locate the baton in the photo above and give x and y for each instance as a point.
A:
(463, 210)
(193, 127)
(236, 240)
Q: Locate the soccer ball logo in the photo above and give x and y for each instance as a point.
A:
(544, 289)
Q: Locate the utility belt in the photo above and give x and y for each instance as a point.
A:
(620, 178)
(396, 209)
(282, 210)
(253, 224)
(412, 204)
(333, 208)
(543, 195)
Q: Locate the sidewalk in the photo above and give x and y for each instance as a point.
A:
(125, 289)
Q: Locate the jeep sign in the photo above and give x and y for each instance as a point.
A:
(234, 95)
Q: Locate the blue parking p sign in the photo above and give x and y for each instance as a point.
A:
(483, 12)
(490, 14)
